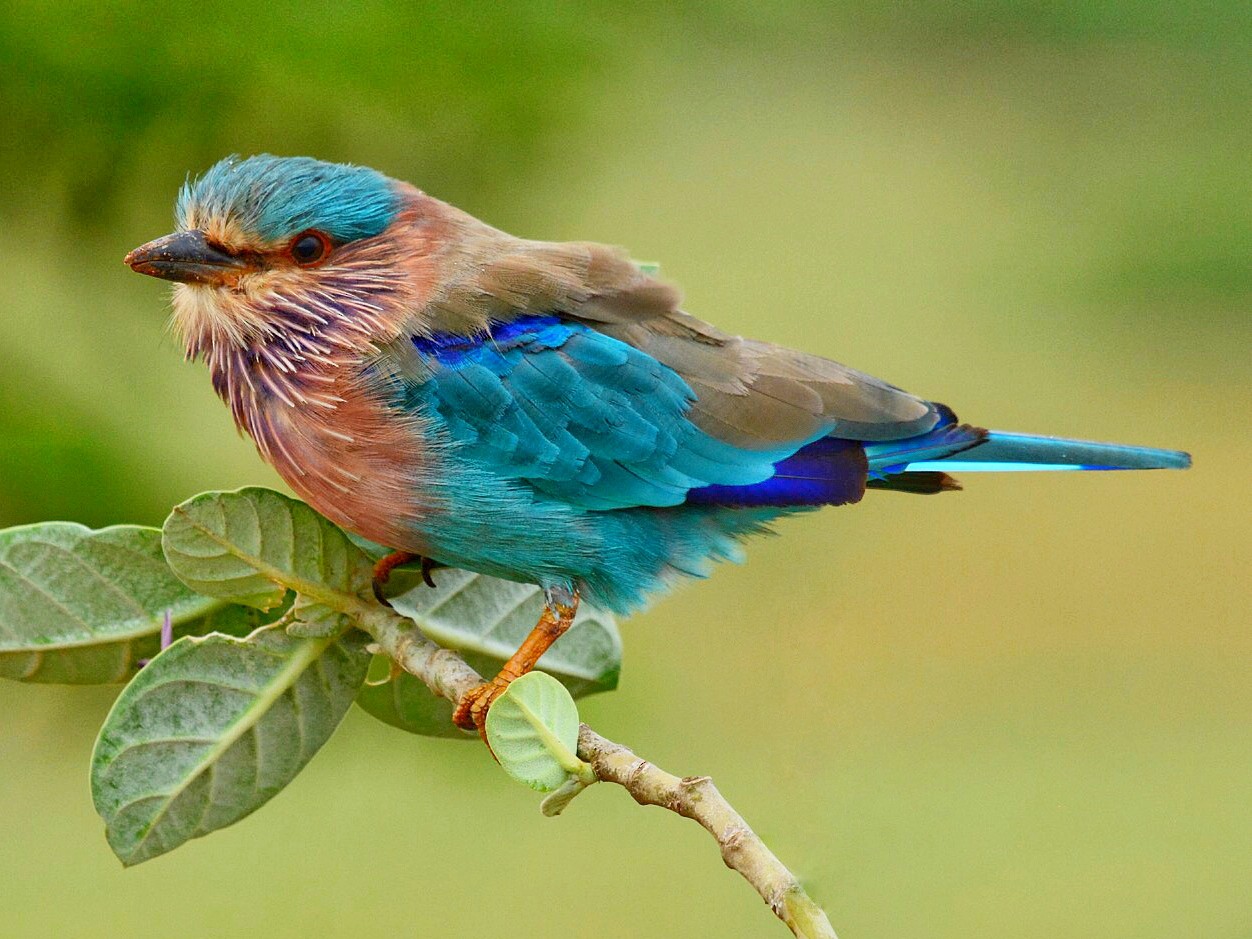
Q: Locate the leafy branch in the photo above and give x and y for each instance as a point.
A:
(277, 635)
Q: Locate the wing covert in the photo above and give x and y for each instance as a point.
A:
(577, 414)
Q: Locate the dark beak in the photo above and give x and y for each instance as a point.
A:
(185, 256)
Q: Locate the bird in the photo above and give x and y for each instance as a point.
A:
(543, 412)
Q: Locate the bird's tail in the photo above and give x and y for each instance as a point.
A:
(1002, 451)
(959, 448)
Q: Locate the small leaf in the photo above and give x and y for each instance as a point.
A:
(559, 799)
(82, 607)
(212, 729)
(533, 731)
(251, 545)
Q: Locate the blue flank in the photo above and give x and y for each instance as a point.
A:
(829, 471)
(279, 197)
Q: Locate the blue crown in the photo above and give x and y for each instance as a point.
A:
(279, 197)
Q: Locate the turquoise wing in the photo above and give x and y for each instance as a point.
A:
(577, 414)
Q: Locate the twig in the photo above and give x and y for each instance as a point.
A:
(694, 797)
(441, 670)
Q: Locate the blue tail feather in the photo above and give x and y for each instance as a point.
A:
(1006, 452)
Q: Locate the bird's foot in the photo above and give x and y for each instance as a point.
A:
(386, 565)
(558, 616)
(471, 710)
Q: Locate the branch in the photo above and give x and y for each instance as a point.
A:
(694, 797)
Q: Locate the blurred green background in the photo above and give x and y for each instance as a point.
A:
(1019, 711)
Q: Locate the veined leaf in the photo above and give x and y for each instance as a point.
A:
(251, 545)
(212, 729)
(486, 619)
(82, 607)
(533, 731)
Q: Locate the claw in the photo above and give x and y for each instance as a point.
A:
(383, 569)
(428, 565)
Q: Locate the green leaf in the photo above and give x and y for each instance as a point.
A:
(251, 545)
(212, 729)
(82, 607)
(533, 731)
(559, 799)
(486, 619)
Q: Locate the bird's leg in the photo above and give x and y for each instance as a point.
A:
(387, 564)
(558, 616)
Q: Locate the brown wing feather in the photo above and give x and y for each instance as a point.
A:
(749, 393)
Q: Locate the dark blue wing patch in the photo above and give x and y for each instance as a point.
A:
(828, 471)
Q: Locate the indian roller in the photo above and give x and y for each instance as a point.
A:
(538, 411)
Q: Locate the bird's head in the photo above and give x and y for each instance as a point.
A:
(263, 244)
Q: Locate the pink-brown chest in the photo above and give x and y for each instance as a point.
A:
(338, 444)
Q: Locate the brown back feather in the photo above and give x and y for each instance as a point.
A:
(749, 393)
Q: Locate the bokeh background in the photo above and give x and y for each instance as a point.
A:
(1019, 711)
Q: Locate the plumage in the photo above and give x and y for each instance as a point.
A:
(537, 411)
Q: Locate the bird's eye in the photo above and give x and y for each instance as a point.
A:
(309, 247)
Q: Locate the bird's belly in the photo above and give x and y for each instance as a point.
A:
(505, 528)
(479, 520)
(375, 474)
(374, 471)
